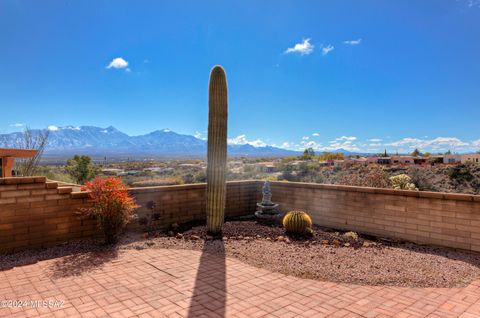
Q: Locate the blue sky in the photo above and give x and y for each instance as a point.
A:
(358, 75)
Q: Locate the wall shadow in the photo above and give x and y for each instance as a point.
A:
(209, 296)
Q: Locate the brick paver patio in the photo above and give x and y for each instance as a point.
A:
(179, 283)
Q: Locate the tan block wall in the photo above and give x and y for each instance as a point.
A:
(183, 203)
(35, 213)
(443, 219)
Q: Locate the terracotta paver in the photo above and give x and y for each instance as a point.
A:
(180, 283)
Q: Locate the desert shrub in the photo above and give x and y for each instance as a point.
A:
(112, 205)
(371, 176)
(158, 182)
(297, 222)
(422, 178)
(461, 173)
(402, 182)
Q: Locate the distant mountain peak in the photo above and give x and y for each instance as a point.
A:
(92, 140)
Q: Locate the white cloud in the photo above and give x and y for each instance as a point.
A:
(305, 138)
(303, 48)
(439, 143)
(476, 143)
(242, 140)
(286, 145)
(473, 3)
(349, 138)
(310, 144)
(327, 49)
(17, 125)
(374, 140)
(315, 134)
(53, 128)
(353, 42)
(119, 63)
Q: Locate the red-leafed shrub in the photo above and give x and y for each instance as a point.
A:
(112, 205)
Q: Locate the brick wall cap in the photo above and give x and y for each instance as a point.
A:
(80, 195)
(429, 194)
(183, 187)
(422, 194)
(458, 196)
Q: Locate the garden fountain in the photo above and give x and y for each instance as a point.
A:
(267, 212)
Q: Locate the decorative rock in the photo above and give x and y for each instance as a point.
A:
(170, 233)
(346, 244)
(325, 242)
(195, 237)
(179, 236)
(351, 235)
(336, 242)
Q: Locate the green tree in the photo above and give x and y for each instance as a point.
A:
(308, 154)
(448, 152)
(81, 169)
(416, 153)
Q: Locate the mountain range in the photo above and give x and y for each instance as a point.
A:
(96, 141)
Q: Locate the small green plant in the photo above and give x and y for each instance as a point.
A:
(112, 205)
(297, 222)
(402, 182)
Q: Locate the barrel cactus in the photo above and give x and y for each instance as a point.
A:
(297, 222)
(217, 150)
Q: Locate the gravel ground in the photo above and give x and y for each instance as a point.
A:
(327, 255)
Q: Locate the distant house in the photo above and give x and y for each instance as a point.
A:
(112, 171)
(158, 169)
(474, 158)
(384, 160)
(420, 160)
(403, 160)
(327, 163)
(452, 158)
(267, 166)
(358, 161)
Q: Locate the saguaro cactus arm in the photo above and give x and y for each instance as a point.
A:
(217, 149)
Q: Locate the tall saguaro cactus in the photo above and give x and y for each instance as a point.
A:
(217, 149)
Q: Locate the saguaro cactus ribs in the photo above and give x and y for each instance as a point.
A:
(217, 150)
